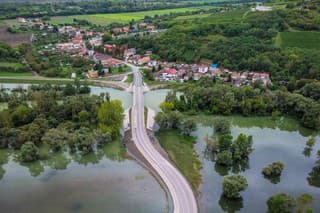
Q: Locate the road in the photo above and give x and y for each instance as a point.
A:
(181, 193)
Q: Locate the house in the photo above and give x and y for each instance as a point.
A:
(134, 59)
(129, 52)
(112, 62)
(152, 63)
(93, 74)
(99, 57)
(168, 74)
(21, 20)
(203, 69)
(109, 47)
(144, 60)
(117, 30)
(150, 27)
(126, 29)
(96, 41)
(263, 77)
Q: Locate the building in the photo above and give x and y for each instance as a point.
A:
(168, 74)
(144, 60)
(21, 20)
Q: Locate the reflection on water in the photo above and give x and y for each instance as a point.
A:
(98, 182)
(123, 96)
(282, 140)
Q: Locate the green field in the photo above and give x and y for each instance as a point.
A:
(220, 17)
(11, 65)
(105, 19)
(16, 74)
(307, 40)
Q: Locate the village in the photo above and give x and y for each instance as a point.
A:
(108, 58)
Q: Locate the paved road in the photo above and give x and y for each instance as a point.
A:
(179, 189)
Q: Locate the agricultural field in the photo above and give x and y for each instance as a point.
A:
(13, 39)
(105, 19)
(220, 17)
(307, 40)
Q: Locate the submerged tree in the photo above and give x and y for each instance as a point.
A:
(232, 185)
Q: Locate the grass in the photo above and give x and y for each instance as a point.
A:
(129, 78)
(181, 152)
(15, 74)
(105, 19)
(12, 65)
(307, 40)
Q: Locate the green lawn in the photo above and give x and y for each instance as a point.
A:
(12, 65)
(16, 74)
(129, 78)
(308, 40)
(105, 19)
(181, 152)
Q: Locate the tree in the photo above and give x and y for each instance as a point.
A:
(22, 115)
(29, 152)
(225, 142)
(56, 138)
(106, 37)
(224, 158)
(310, 143)
(274, 169)
(101, 138)
(82, 140)
(222, 126)
(303, 202)
(188, 126)
(166, 106)
(281, 203)
(110, 117)
(242, 147)
(232, 185)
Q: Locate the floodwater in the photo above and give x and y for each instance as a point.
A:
(105, 181)
(273, 140)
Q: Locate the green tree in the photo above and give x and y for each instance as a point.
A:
(280, 203)
(224, 158)
(273, 169)
(188, 126)
(22, 115)
(222, 126)
(110, 117)
(101, 138)
(29, 152)
(166, 106)
(56, 139)
(106, 37)
(242, 147)
(303, 202)
(232, 185)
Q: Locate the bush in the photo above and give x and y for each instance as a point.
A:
(274, 169)
(29, 152)
(224, 158)
(281, 203)
(234, 184)
(222, 126)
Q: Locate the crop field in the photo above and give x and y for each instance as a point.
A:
(13, 39)
(220, 17)
(105, 19)
(307, 40)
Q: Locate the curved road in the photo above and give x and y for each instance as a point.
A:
(180, 191)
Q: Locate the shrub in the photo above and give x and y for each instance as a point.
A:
(234, 184)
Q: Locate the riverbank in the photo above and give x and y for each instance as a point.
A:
(181, 152)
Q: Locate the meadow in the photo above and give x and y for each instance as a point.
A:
(11, 65)
(105, 19)
(307, 40)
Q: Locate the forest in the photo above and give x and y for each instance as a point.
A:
(58, 116)
(247, 101)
